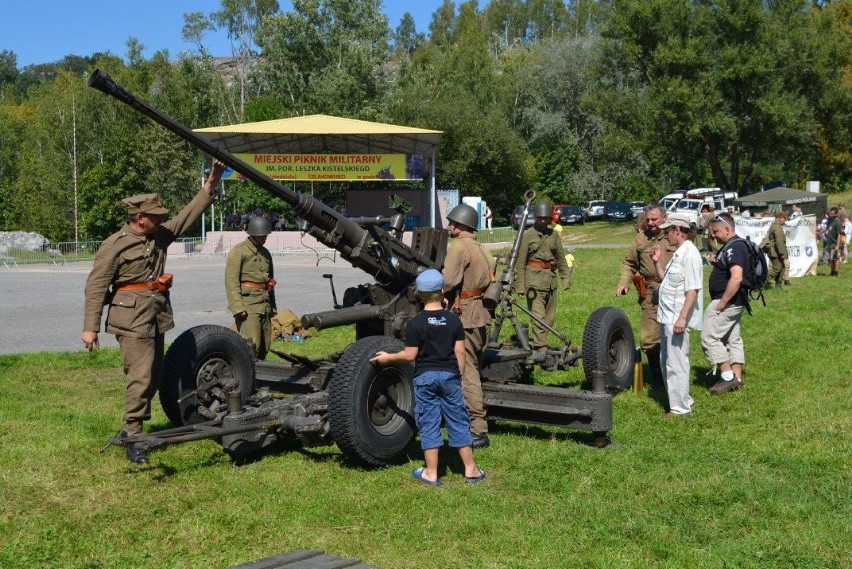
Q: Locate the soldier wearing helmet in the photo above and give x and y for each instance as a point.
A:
(128, 277)
(250, 286)
(539, 259)
(468, 270)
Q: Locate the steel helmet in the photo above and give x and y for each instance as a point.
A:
(465, 215)
(259, 226)
(543, 209)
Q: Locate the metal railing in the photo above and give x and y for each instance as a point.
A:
(71, 251)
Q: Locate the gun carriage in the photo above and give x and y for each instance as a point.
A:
(214, 388)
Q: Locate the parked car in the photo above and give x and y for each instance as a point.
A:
(637, 208)
(595, 209)
(518, 213)
(556, 209)
(571, 215)
(618, 211)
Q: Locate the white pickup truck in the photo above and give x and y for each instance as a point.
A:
(691, 206)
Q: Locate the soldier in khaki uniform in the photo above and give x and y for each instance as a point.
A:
(638, 267)
(468, 270)
(127, 275)
(539, 257)
(775, 245)
(250, 286)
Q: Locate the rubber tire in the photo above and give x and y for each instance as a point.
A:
(608, 344)
(194, 351)
(375, 435)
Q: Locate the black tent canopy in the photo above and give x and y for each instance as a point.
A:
(810, 202)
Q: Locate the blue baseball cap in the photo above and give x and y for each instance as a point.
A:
(430, 280)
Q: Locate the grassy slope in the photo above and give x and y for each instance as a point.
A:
(758, 478)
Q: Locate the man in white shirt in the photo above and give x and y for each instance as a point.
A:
(680, 309)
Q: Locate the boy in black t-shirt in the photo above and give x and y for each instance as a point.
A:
(434, 340)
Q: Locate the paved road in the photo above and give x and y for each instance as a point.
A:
(41, 306)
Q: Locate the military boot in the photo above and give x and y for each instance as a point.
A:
(657, 381)
(134, 454)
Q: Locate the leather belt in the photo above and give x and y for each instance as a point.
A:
(269, 285)
(471, 293)
(550, 265)
(135, 287)
(162, 284)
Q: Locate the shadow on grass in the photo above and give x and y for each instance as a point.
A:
(704, 376)
(546, 433)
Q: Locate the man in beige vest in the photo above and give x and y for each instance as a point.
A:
(468, 270)
(128, 277)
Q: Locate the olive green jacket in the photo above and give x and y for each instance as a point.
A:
(248, 262)
(775, 242)
(544, 247)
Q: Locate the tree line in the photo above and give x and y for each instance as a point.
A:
(577, 99)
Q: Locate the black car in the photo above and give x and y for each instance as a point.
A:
(618, 211)
(518, 213)
(571, 214)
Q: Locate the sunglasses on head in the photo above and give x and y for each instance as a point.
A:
(722, 219)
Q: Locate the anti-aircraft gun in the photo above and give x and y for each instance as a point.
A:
(214, 388)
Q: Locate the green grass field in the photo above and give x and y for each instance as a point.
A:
(757, 478)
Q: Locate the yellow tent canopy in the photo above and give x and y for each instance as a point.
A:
(324, 134)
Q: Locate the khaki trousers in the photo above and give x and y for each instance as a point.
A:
(258, 329)
(649, 328)
(142, 360)
(474, 342)
(542, 303)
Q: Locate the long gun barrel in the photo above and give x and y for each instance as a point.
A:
(375, 251)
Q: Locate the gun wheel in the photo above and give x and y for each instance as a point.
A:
(201, 367)
(371, 409)
(608, 345)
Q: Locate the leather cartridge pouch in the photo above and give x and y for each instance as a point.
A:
(164, 283)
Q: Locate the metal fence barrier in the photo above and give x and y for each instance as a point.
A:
(216, 244)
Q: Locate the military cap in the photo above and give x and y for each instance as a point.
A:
(144, 203)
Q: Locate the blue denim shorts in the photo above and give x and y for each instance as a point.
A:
(438, 394)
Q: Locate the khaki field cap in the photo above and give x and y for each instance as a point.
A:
(677, 219)
(144, 203)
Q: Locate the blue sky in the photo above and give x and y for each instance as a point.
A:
(42, 31)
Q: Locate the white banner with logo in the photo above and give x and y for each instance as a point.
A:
(801, 240)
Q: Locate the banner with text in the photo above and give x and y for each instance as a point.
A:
(801, 240)
(333, 167)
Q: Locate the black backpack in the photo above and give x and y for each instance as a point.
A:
(755, 273)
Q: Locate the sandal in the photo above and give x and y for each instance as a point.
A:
(417, 474)
(475, 479)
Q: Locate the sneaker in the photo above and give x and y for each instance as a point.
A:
(723, 386)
